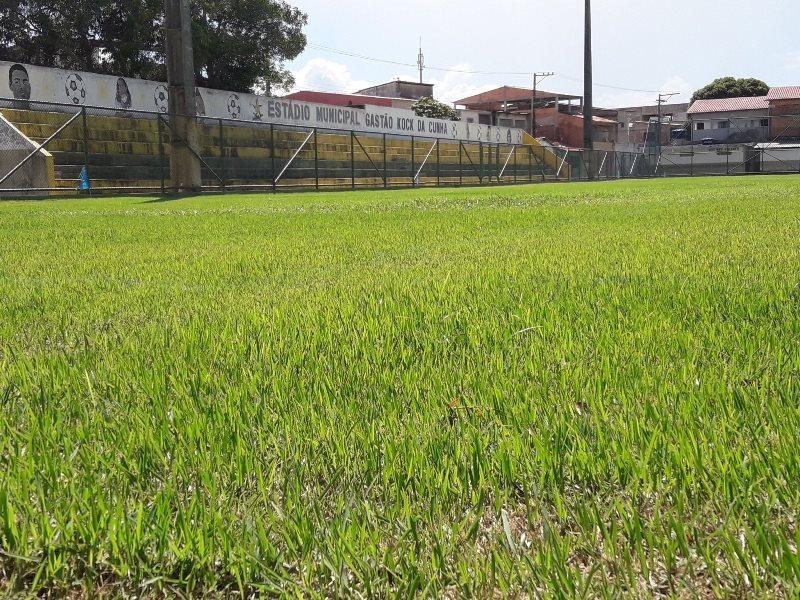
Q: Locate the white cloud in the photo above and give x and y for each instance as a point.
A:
(791, 61)
(453, 85)
(323, 75)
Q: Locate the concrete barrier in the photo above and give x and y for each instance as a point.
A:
(37, 174)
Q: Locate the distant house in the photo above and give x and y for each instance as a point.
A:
(559, 117)
(730, 120)
(408, 90)
(784, 112)
(334, 99)
(637, 124)
(510, 106)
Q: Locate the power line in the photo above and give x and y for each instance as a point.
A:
(467, 71)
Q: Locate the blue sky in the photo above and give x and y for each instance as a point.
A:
(645, 45)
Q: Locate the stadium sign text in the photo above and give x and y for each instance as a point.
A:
(27, 84)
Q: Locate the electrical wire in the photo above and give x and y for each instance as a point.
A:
(466, 71)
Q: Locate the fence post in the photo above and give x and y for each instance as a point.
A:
(438, 165)
(385, 163)
(530, 163)
(272, 155)
(316, 160)
(86, 147)
(542, 166)
(223, 169)
(413, 166)
(514, 150)
(460, 163)
(480, 171)
(352, 160)
(497, 166)
(161, 152)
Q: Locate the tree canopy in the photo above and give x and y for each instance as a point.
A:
(433, 109)
(730, 87)
(238, 44)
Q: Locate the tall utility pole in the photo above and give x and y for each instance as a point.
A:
(536, 78)
(662, 99)
(184, 159)
(420, 60)
(587, 79)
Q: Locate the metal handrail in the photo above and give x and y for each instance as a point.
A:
(291, 160)
(503, 170)
(416, 177)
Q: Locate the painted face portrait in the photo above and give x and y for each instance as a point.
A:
(19, 82)
(123, 98)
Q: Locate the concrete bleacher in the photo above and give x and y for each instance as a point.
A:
(126, 152)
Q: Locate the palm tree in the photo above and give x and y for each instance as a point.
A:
(587, 78)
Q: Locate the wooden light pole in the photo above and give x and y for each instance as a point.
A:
(184, 158)
(587, 79)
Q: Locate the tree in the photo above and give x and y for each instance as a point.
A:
(238, 44)
(730, 87)
(433, 109)
(103, 36)
(242, 43)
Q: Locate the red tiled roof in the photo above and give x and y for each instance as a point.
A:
(510, 94)
(728, 105)
(790, 92)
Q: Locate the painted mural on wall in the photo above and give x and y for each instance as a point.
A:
(26, 83)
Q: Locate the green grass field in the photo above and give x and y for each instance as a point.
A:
(554, 390)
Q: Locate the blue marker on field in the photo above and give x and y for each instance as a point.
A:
(85, 184)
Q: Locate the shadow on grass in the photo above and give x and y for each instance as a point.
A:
(171, 198)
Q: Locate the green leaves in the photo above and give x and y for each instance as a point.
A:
(730, 87)
(433, 109)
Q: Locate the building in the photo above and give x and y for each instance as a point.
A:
(558, 116)
(730, 120)
(637, 124)
(784, 112)
(333, 99)
(407, 90)
(509, 106)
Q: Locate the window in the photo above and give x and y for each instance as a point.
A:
(765, 122)
(699, 126)
(724, 125)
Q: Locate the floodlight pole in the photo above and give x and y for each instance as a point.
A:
(587, 79)
(184, 158)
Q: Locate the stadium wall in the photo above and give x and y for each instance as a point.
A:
(27, 83)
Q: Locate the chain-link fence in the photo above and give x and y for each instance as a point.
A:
(48, 148)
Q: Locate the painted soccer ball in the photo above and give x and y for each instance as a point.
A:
(161, 98)
(234, 106)
(73, 87)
